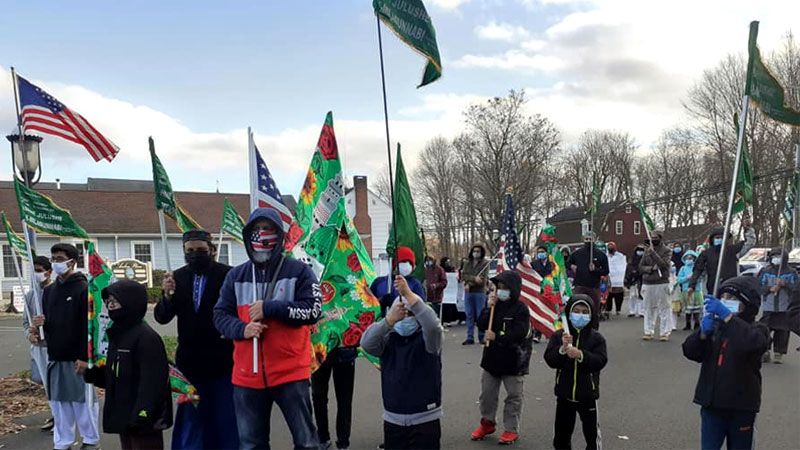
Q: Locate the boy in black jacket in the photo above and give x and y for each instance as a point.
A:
(138, 403)
(506, 359)
(578, 358)
(729, 345)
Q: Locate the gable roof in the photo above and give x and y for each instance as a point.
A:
(108, 206)
(578, 212)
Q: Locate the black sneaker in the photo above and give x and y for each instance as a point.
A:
(48, 425)
(467, 342)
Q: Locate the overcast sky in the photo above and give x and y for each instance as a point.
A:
(195, 74)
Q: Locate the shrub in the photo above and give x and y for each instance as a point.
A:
(154, 294)
(171, 345)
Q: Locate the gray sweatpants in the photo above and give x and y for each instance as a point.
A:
(490, 393)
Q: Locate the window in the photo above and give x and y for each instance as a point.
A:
(224, 251)
(81, 262)
(9, 269)
(628, 209)
(637, 227)
(142, 251)
(618, 227)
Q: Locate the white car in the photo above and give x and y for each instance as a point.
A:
(752, 261)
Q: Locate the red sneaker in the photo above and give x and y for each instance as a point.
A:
(508, 438)
(487, 427)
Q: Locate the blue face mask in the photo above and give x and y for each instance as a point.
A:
(689, 263)
(677, 250)
(579, 320)
(718, 242)
(541, 256)
(407, 326)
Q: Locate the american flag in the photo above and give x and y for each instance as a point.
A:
(265, 192)
(42, 112)
(543, 310)
(263, 240)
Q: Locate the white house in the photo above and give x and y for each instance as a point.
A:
(373, 219)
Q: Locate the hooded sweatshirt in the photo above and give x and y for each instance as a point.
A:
(578, 379)
(708, 261)
(654, 265)
(65, 306)
(510, 352)
(136, 375)
(284, 349)
(730, 371)
(778, 302)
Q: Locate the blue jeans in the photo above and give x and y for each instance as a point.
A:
(254, 407)
(474, 304)
(210, 424)
(717, 425)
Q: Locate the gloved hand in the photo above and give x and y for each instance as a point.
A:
(716, 307)
(708, 324)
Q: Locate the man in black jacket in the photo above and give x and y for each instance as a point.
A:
(64, 307)
(578, 357)
(590, 265)
(729, 345)
(203, 355)
(138, 403)
(506, 359)
(708, 261)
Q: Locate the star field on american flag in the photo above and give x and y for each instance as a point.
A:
(268, 194)
(513, 251)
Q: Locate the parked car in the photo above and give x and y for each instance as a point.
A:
(752, 261)
(794, 258)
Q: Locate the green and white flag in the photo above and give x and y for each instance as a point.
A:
(648, 222)
(165, 197)
(14, 240)
(42, 214)
(788, 210)
(406, 220)
(411, 23)
(744, 180)
(232, 222)
(763, 87)
(595, 200)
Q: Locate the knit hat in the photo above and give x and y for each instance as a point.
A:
(405, 254)
(197, 235)
(748, 291)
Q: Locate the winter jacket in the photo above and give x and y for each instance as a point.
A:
(65, 305)
(685, 272)
(617, 264)
(473, 268)
(136, 375)
(583, 276)
(543, 268)
(730, 375)
(655, 264)
(435, 282)
(768, 276)
(677, 259)
(510, 352)
(632, 273)
(386, 293)
(411, 368)
(284, 348)
(708, 261)
(203, 354)
(578, 379)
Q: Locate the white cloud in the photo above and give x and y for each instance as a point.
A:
(494, 31)
(448, 5)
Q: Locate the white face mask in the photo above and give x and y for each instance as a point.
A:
(776, 261)
(503, 294)
(61, 268)
(405, 268)
(40, 277)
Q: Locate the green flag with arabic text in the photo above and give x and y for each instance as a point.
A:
(764, 88)
(16, 241)
(42, 214)
(165, 197)
(232, 222)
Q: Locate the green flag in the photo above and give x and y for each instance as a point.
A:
(406, 220)
(98, 320)
(744, 179)
(411, 23)
(165, 197)
(16, 241)
(232, 222)
(595, 194)
(42, 214)
(648, 222)
(788, 210)
(348, 305)
(321, 210)
(763, 87)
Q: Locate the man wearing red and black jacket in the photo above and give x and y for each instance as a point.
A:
(278, 311)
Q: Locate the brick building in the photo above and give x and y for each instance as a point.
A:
(616, 221)
(373, 219)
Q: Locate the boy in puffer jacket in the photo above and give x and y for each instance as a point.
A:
(578, 358)
(729, 346)
(506, 360)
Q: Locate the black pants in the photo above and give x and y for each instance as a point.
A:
(423, 436)
(150, 441)
(780, 341)
(343, 380)
(615, 298)
(565, 423)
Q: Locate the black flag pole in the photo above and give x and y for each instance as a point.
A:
(388, 146)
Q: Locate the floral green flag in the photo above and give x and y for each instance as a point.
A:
(42, 214)
(98, 320)
(348, 305)
(555, 284)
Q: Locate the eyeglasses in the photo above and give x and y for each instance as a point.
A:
(60, 259)
(112, 302)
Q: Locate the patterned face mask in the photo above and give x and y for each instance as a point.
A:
(263, 240)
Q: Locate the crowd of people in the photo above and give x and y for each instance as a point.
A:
(244, 340)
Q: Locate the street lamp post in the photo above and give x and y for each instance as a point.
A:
(26, 157)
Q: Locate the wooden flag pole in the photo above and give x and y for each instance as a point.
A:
(491, 313)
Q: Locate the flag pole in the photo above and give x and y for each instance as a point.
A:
(163, 226)
(732, 197)
(255, 339)
(27, 312)
(21, 144)
(253, 170)
(33, 282)
(388, 142)
(219, 246)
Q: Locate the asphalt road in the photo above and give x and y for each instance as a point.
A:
(645, 403)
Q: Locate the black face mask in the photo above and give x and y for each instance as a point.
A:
(198, 261)
(656, 243)
(612, 250)
(117, 315)
(587, 244)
